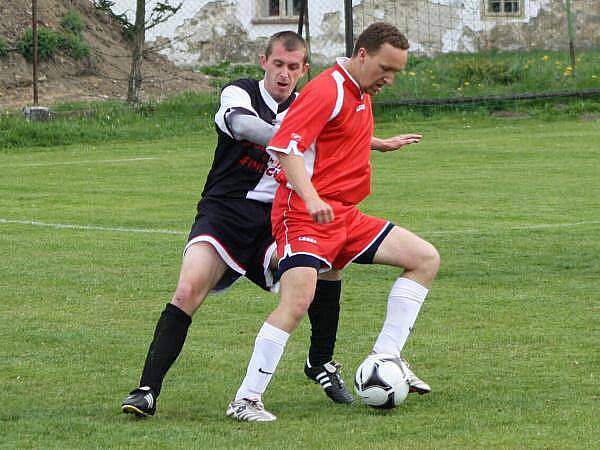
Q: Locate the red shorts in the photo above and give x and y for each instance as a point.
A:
(336, 244)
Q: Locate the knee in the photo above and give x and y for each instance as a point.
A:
(429, 260)
(186, 297)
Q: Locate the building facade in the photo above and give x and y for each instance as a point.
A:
(206, 32)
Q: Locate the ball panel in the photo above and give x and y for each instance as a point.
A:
(381, 381)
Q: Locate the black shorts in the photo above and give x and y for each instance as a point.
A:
(240, 232)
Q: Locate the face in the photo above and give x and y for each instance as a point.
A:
(283, 69)
(379, 68)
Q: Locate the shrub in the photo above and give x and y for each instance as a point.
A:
(3, 47)
(48, 43)
(76, 47)
(72, 23)
(487, 70)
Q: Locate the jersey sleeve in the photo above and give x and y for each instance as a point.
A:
(305, 119)
(233, 98)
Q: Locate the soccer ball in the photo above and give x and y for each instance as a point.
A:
(381, 381)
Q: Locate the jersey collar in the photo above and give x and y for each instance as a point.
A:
(270, 101)
(341, 61)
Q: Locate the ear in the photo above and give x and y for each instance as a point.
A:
(263, 61)
(305, 68)
(362, 53)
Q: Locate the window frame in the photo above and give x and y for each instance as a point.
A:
(487, 12)
(259, 19)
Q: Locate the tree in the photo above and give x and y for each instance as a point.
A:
(160, 13)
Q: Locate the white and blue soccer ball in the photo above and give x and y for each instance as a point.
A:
(381, 381)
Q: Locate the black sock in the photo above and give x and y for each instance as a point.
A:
(169, 336)
(324, 314)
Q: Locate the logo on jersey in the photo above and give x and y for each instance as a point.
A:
(273, 168)
(361, 107)
(307, 239)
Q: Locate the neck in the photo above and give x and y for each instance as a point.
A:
(352, 67)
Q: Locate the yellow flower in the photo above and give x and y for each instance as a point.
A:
(412, 74)
(466, 83)
(594, 77)
(546, 58)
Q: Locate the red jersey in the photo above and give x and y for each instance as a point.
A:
(331, 125)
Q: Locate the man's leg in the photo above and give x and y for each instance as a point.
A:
(297, 291)
(420, 261)
(324, 314)
(201, 268)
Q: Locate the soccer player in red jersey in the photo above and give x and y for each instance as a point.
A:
(323, 147)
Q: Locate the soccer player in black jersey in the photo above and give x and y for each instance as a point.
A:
(231, 235)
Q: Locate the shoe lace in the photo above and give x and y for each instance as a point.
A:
(334, 377)
(256, 404)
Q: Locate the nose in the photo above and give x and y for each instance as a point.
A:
(388, 79)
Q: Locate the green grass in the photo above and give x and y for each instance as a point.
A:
(508, 337)
(457, 75)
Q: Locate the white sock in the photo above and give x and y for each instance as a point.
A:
(268, 348)
(404, 303)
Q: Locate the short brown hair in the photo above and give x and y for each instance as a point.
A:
(377, 34)
(290, 40)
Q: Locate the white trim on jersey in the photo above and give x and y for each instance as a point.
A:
(232, 97)
(368, 246)
(264, 191)
(269, 101)
(339, 81)
(220, 250)
(341, 61)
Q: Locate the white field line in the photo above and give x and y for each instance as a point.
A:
(91, 161)
(69, 226)
(540, 226)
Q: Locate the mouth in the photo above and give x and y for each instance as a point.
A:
(282, 85)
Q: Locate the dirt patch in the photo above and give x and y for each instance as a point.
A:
(510, 115)
(590, 117)
(101, 76)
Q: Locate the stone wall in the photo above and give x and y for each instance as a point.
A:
(209, 32)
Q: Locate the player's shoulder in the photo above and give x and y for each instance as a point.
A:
(247, 84)
(324, 85)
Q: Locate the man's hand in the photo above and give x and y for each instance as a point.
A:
(320, 211)
(394, 142)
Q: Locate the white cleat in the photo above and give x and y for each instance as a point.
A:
(248, 410)
(414, 382)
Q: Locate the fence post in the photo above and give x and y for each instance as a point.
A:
(35, 50)
(301, 16)
(571, 32)
(349, 27)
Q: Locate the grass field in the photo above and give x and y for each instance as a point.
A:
(90, 242)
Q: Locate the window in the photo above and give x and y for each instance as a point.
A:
(276, 10)
(503, 7)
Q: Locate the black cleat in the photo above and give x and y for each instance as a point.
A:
(328, 376)
(141, 402)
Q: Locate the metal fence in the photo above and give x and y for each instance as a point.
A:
(460, 49)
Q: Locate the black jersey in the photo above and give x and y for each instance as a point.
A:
(239, 169)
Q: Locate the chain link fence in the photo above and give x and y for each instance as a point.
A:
(460, 49)
(474, 49)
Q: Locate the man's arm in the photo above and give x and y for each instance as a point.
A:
(295, 172)
(394, 142)
(245, 127)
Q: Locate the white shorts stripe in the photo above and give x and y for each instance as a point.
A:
(220, 250)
